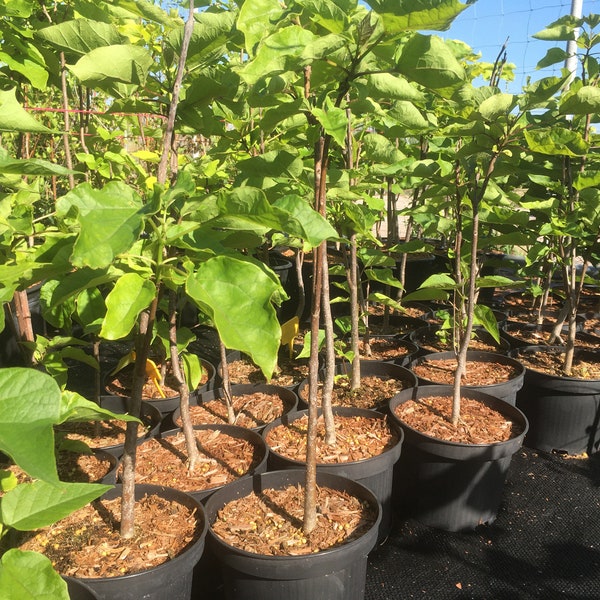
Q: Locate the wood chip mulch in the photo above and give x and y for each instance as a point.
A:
(477, 372)
(252, 410)
(357, 438)
(374, 392)
(289, 372)
(271, 523)
(224, 458)
(478, 424)
(380, 348)
(552, 363)
(87, 543)
(100, 434)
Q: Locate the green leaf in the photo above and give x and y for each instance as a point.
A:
(13, 117)
(333, 120)
(389, 86)
(236, 294)
(30, 506)
(428, 60)
(562, 30)
(307, 223)
(110, 222)
(256, 18)
(81, 35)
(553, 56)
(440, 281)
(496, 106)
(121, 63)
(29, 407)
(192, 368)
(74, 407)
(26, 575)
(484, 316)
(556, 141)
(586, 100)
(405, 15)
(131, 295)
(32, 166)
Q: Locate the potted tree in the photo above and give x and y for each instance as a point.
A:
(561, 382)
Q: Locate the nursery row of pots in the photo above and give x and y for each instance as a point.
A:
(384, 481)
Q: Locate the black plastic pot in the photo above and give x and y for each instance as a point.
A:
(376, 473)
(289, 398)
(236, 432)
(170, 581)
(449, 485)
(511, 329)
(335, 574)
(79, 590)
(563, 412)
(505, 390)
(381, 369)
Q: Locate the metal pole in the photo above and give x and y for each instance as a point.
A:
(571, 60)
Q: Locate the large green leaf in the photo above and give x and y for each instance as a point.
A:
(405, 15)
(13, 117)
(496, 106)
(561, 30)
(81, 35)
(130, 296)
(586, 100)
(333, 120)
(30, 506)
(279, 52)
(428, 60)
(26, 575)
(74, 407)
(119, 63)
(556, 141)
(389, 86)
(307, 223)
(29, 407)
(110, 222)
(256, 20)
(31, 166)
(236, 294)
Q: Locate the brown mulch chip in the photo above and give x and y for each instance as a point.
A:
(374, 392)
(289, 372)
(552, 363)
(477, 372)
(252, 410)
(87, 543)
(478, 424)
(271, 523)
(223, 458)
(357, 438)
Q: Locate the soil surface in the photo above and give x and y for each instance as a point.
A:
(478, 424)
(100, 434)
(252, 410)
(374, 392)
(428, 340)
(584, 366)
(385, 348)
(477, 372)
(87, 543)
(72, 467)
(271, 523)
(357, 438)
(120, 385)
(223, 458)
(289, 372)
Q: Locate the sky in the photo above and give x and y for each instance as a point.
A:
(487, 24)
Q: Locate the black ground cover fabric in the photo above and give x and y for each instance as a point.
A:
(545, 542)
